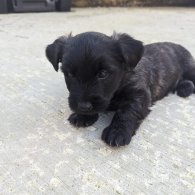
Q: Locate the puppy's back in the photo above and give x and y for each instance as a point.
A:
(162, 66)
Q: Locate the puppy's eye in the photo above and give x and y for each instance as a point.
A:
(102, 74)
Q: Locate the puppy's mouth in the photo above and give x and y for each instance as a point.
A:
(86, 113)
(96, 109)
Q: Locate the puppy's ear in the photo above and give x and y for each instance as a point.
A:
(130, 48)
(54, 51)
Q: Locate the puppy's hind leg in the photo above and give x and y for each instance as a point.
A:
(188, 81)
(185, 88)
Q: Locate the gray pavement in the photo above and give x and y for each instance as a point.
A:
(40, 153)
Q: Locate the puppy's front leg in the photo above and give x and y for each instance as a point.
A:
(126, 120)
(80, 120)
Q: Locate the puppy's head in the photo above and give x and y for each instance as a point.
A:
(93, 65)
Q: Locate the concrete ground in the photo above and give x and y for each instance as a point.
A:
(40, 153)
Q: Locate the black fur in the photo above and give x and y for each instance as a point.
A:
(80, 120)
(185, 88)
(119, 74)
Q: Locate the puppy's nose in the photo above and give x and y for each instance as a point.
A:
(85, 106)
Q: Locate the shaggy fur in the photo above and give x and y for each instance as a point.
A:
(118, 73)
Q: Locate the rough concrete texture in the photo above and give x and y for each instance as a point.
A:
(40, 153)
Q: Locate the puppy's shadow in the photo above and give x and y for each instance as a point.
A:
(95, 131)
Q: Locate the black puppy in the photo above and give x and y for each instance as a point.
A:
(119, 74)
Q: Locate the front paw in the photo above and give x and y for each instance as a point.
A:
(116, 136)
(79, 120)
